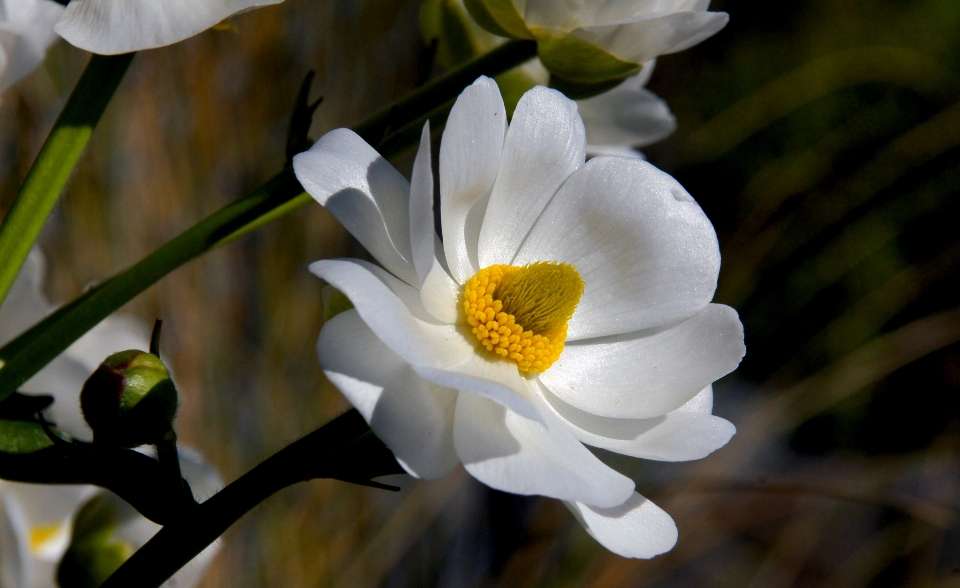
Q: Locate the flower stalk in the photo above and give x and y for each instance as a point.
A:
(56, 161)
(282, 194)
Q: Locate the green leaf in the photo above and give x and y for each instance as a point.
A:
(500, 17)
(580, 62)
(22, 437)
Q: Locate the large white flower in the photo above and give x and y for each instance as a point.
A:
(36, 521)
(587, 41)
(614, 241)
(26, 30)
(120, 26)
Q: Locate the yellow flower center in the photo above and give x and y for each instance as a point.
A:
(521, 313)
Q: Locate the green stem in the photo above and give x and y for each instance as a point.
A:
(281, 195)
(55, 162)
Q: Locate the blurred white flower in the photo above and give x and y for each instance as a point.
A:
(26, 30)
(618, 121)
(536, 235)
(588, 41)
(36, 521)
(120, 26)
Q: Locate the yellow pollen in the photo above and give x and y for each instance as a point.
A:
(40, 534)
(521, 313)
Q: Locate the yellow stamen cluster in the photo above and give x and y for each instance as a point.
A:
(521, 313)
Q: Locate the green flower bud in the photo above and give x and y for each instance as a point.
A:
(130, 400)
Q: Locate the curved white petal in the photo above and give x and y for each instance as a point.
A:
(422, 234)
(469, 159)
(437, 352)
(204, 479)
(637, 528)
(626, 116)
(367, 195)
(414, 417)
(680, 435)
(439, 295)
(569, 14)
(648, 254)
(508, 452)
(14, 554)
(26, 30)
(642, 38)
(121, 26)
(648, 373)
(545, 143)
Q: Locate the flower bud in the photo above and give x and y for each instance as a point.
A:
(130, 400)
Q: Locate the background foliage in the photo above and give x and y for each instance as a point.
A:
(821, 137)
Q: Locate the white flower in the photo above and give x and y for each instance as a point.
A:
(589, 40)
(642, 347)
(121, 26)
(26, 30)
(35, 520)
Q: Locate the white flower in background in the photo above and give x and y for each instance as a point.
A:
(36, 520)
(121, 26)
(589, 41)
(618, 121)
(26, 30)
(568, 303)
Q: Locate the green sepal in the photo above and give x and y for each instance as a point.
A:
(22, 437)
(334, 302)
(500, 17)
(576, 91)
(94, 554)
(580, 62)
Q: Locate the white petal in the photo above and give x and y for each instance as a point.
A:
(421, 209)
(508, 452)
(367, 195)
(25, 304)
(412, 416)
(628, 115)
(545, 144)
(14, 553)
(640, 39)
(569, 14)
(637, 528)
(648, 373)
(204, 479)
(121, 26)
(469, 159)
(616, 150)
(438, 352)
(648, 254)
(676, 436)
(439, 294)
(702, 403)
(26, 30)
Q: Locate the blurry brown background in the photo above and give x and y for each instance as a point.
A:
(821, 137)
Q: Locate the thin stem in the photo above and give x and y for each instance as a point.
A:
(281, 195)
(169, 460)
(345, 449)
(55, 162)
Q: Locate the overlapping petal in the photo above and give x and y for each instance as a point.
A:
(435, 351)
(121, 26)
(649, 373)
(637, 528)
(648, 254)
(469, 160)
(414, 417)
(367, 195)
(642, 38)
(509, 452)
(680, 435)
(546, 142)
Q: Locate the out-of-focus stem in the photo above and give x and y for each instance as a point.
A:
(55, 162)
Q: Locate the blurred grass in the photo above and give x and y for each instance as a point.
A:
(822, 139)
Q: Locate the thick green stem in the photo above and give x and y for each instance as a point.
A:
(281, 195)
(55, 162)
